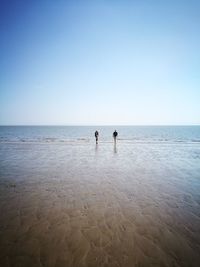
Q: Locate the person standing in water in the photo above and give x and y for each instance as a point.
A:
(115, 134)
(96, 134)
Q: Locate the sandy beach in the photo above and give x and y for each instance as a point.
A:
(99, 133)
(78, 205)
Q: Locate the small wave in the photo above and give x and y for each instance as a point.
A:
(49, 139)
(83, 139)
(91, 140)
(196, 140)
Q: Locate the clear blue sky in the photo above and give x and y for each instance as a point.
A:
(99, 62)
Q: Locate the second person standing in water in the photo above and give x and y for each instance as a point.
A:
(96, 134)
(115, 134)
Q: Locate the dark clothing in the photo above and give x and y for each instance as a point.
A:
(115, 134)
(96, 134)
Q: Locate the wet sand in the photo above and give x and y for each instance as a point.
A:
(86, 205)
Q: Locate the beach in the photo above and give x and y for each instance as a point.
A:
(99, 133)
(81, 204)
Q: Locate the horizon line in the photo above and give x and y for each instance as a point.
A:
(91, 125)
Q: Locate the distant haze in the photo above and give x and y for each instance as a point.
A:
(99, 62)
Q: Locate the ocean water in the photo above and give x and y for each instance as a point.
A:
(65, 201)
(169, 134)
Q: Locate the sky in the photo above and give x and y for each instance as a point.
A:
(99, 62)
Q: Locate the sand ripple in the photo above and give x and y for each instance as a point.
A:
(90, 211)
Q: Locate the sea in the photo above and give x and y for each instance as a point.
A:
(132, 134)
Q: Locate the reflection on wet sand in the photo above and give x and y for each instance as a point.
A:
(63, 207)
(115, 148)
(96, 148)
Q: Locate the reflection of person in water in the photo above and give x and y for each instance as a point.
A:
(115, 134)
(96, 134)
(115, 149)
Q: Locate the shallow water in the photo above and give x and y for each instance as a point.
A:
(141, 134)
(81, 204)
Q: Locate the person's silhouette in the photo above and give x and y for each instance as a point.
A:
(96, 134)
(115, 134)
